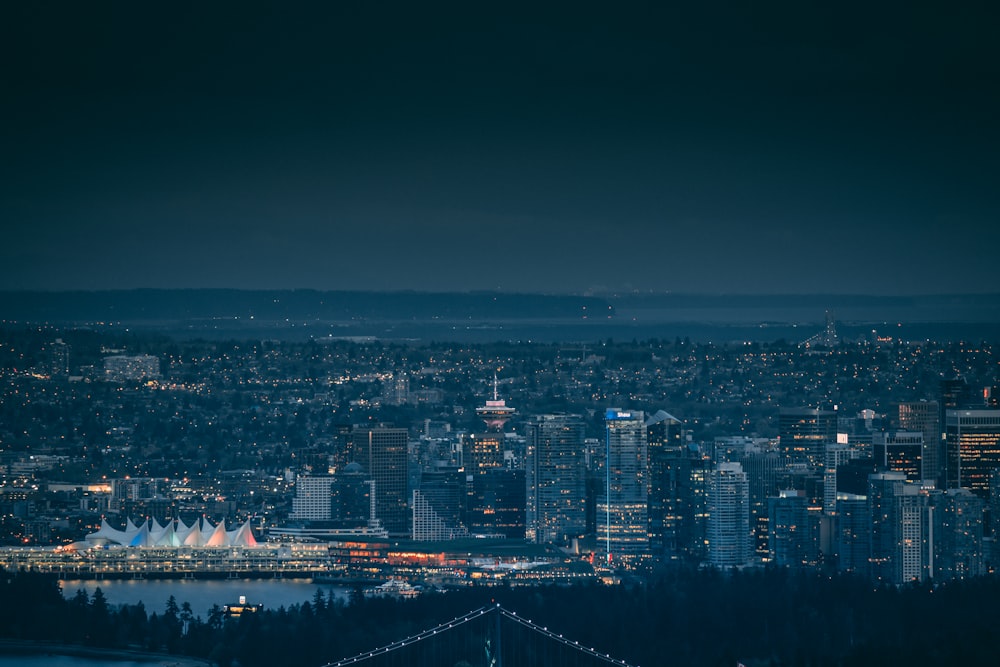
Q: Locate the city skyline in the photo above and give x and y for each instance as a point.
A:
(734, 150)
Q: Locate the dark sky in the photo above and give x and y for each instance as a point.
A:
(779, 147)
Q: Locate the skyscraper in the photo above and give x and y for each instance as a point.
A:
(923, 417)
(622, 518)
(313, 499)
(972, 448)
(794, 530)
(554, 479)
(729, 539)
(381, 451)
(901, 451)
(803, 434)
(901, 529)
(669, 477)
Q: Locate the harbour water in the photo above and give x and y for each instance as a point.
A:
(203, 594)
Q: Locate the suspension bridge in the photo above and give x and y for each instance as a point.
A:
(490, 636)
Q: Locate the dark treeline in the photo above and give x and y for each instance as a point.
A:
(684, 618)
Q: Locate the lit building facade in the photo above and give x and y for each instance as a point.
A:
(901, 451)
(381, 451)
(728, 505)
(804, 433)
(313, 499)
(622, 516)
(972, 448)
(554, 479)
(924, 417)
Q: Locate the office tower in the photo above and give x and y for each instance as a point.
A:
(352, 500)
(803, 434)
(853, 540)
(901, 451)
(496, 503)
(794, 526)
(483, 451)
(923, 417)
(901, 529)
(837, 456)
(669, 484)
(437, 505)
(958, 536)
(381, 451)
(728, 504)
(622, 517)
(313, 498)
(763, 465)
(972, 449)
(554, 479)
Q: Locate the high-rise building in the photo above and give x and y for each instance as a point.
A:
(763, 465)
(901, 529)
(794, 525)
(958, 537)
(496, 503)
(622, 516)
(923, 417)
(853, 540)
(901, 451)
(728, 504)
(972, 448)
(352, 502)
(554, 479)
(437, 505)
(804, 433)
(381, 451)
(666, 447)
(313, 499)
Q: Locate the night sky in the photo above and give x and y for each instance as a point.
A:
(777, 147)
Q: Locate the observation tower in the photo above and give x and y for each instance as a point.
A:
(496, 412)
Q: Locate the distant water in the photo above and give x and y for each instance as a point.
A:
(203, 594)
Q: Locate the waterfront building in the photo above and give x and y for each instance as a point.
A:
(352, 500)
(554, 479)
(972, 449)
(622, 516)
(313, 499)
(496, 503)
(437, 505)
(728, 505)
(382, 452)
